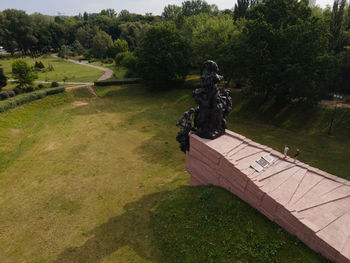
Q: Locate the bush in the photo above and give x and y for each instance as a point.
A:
(130, 63)
(4, 95)
(28, 89)
(40, 86)
(3, 79)
(119, 57)
(23, 73)
(38, 65)
(55, 91)
(17, 90)
(118, 82)
(11, 93)
(108, 61)
(50, 67)
(28, 97)
(54, 84)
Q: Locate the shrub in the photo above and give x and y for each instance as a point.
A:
(40, 86)
(28, 97)
(50, 68)
(119, 57)
(108, 61)
(11, 93)
(17, 90)
(55, 91)
(4, 95)
(28, 89)
(23, 73)
(3, 79)
(130, 63)
(38, 65)
(118, 82)
(54, 84)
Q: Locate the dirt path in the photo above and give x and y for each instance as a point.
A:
(333, 103)
(108, 73)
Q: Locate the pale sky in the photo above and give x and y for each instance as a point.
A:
(74, 7)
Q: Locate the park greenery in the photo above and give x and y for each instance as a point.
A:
(285, 50)
(99, 177)
(118, 191)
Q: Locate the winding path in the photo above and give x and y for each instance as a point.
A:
(108, 72)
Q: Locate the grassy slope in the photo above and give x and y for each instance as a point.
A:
(106, 182)
(297, 126)
(74, 72)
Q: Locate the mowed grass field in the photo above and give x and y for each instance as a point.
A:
(62, 69)
(106, 182)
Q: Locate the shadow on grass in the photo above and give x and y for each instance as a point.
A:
(129, 229)
(191, 224)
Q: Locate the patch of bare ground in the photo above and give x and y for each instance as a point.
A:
(15, 131)
(80, 103)
(333, 103)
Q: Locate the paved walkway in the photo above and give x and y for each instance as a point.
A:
(307, 202)
(108, 73)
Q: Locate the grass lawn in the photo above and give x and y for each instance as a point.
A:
(106, 182)
(73, 72)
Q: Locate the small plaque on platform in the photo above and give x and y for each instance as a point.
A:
(262, 163)
(257, 167)
(268, 158)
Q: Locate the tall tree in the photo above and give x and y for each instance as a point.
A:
(336, 26)
(195, 7)
(164, 56)
(23, 73)
(18, 31)
(170, 12)
(283, 50)
(100, 44)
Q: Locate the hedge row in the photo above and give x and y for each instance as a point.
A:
(118, 82)
(27, 97)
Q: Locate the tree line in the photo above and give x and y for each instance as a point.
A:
(280, 49)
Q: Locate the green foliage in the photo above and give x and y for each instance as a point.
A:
(54, 84)
(100, 44)
(117, 47)
(23, 73)
(4, 95)
(28, 97)
(85, 35)
(118, 82)
(129, 62)
(133, 33)
(209, 38)
(3, 79)
(38, 65)
(163, 56)
(171, 12)
(78, 49)
(336, 26)
(195, 7)
(283, 47)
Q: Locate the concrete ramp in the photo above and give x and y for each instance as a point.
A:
(305, 201)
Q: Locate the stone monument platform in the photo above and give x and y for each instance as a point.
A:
(305, 201)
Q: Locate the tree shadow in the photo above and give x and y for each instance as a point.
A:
(132, 229)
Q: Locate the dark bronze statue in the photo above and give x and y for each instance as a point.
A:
(208, 119)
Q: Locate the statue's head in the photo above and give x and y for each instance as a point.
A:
(211, 66)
